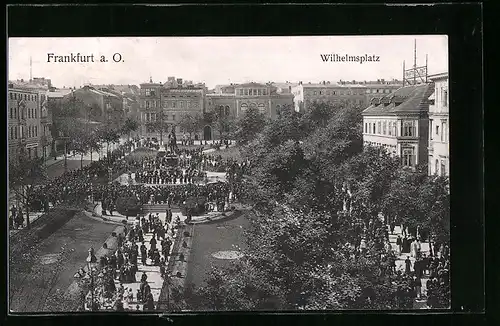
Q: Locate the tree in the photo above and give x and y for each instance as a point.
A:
(65, 115)
(94, 143)
(421, 201)
(224, 124)
(81, 145)
(23, 177)
(130, 125)
(249, 125)
(191, 123)
(159, 125)
(109, 136)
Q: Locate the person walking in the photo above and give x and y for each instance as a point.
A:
(417, 281)
(399, 243)
(407, 265)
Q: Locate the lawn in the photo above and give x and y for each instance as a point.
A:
(210, 238)
(44, 259)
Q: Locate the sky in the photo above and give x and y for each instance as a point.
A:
(223, 60)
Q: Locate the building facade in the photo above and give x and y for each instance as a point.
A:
(355, 93)
(168, 103)
(27, 123)
(399, 122)
(439, 144)
(105, 105)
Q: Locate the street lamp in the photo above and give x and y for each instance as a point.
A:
(91, 262)
(65, 139)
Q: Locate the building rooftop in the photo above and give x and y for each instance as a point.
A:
(59, 93)
(442, 75)
(405, 99)
(98, 91)
(251, 84)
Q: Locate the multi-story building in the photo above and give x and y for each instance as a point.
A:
(43, 87)
(26, 123)
(129, 95)
(168, 103)
(55, 96)
(439, 145)
(357, 93)
(105, 105)
(233, 100)
(399, 122)
(284, 88)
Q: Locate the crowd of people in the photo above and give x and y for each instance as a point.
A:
(72, 186)
(173, 195)
(416, 269)
(123, 264)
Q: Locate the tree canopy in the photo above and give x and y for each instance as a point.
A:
(318, 194)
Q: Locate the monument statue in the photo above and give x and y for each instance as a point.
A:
(172, 142)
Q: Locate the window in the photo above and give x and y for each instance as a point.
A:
(173, 117)
(334, 92)
(430, 128)
(243, 107)
(148, 92)
(182, 104)
(443, 168)
(147, 104)
(384, 131)
(436, 168)
(320, 93)
(408, 156)
(445, 97)
(173, 104)
(390, 128)
(11, 113)
(443, 131)
(437, 130)
(408, 129)
(227, 111)
(36, 113)
(366, 128)
(262, 108)
(11, 96)
(379, 130)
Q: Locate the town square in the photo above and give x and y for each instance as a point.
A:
(227, 189)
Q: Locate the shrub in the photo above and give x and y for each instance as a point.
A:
(128, 206)
(196, 204)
